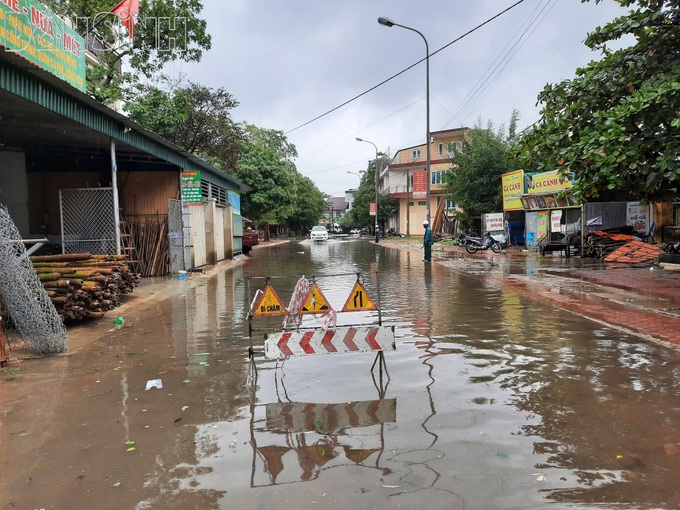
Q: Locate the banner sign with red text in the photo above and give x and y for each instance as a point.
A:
(513, 188)
(31, 30)
(420, 184)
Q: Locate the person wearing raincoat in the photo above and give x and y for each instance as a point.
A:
(428, 241)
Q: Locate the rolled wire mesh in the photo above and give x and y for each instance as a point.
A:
(26, 307)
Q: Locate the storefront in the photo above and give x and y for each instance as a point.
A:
(553, 218)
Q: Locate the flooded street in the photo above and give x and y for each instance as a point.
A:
(491, 400)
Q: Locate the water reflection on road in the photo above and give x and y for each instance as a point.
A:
(493, 400)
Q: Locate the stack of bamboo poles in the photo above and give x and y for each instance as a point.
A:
(83, 285)
(150, 236)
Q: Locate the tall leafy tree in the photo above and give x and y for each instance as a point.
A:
(475, 178)
(194, 117)
(165, 31)
(359, 215)
(616, 124)
(273, 138)
(309, 204)
(278, 191)
(271, 198)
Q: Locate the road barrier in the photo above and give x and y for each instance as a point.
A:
(307, 299)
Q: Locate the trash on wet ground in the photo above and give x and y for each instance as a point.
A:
(154, 383)
(118, 323)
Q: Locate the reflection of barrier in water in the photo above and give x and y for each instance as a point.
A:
(296, 441)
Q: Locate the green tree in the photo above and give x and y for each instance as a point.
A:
(273, 138)
(166, 31)
(272, 184)
(278, 191)
(309, 205)
(359, 215)
(475, 178)
(194, 117)
(616, 124)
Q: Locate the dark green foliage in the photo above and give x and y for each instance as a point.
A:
(195, 117)
(359, 214)
(616, 124)
(278, 191)
(166, 31)
(475, 178)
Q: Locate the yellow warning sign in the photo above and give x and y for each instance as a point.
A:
(315, 302)
(269, 304)
(358, 300)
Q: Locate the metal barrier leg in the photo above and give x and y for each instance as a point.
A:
(380, 359)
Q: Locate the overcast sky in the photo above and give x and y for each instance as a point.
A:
(289, 61)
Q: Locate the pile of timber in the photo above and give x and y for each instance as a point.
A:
(82, 285)
(601, 244)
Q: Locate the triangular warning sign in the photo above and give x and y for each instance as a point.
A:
(358, 300)
(315, 302)
(269, 304)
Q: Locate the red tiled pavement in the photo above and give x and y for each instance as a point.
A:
(640, 300)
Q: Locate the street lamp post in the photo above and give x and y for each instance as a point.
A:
(389, 23)
(377, 178)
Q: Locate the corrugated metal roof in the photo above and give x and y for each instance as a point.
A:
(62, 114)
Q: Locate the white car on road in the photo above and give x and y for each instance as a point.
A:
(319, 233)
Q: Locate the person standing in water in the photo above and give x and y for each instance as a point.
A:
(428, 241)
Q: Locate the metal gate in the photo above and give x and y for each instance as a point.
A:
(88, 221)
(178, 235)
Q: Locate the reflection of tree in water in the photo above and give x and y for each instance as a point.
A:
(609, 414)
(417, 461)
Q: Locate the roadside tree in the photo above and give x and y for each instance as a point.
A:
(616, 124)
(474, 181)
(165, 31)
(309, 205)
(278, 191)
(194, 117)
(359, 215)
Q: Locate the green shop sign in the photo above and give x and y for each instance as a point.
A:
(31, 30)
(191, 188)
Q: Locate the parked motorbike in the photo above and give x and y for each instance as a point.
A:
(393, 233)
(463, 237)
(673, 248)
(474, 244)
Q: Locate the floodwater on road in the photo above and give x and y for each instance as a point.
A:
(491, 400)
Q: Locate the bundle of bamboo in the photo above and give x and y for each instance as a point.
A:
(150, 236)
(83, 285)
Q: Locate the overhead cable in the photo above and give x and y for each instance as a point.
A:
(406, 69)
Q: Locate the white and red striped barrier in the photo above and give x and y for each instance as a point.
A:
(341, 340)
(329, 418)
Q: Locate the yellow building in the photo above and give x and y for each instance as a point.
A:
(404, 179)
